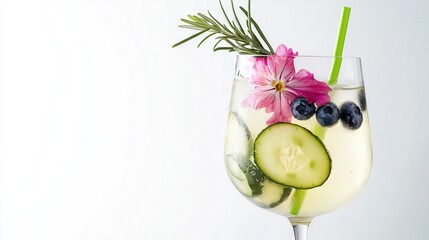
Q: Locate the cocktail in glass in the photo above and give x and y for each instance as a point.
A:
(310, 164)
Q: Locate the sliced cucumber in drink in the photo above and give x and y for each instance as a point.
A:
(238, 153)
(251, 182)
(291, 155)
(238, 177)
(244, 173)
(273, 194)
(238, 137)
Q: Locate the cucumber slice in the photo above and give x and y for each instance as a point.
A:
(234, 169)
(244, 171)
(273, 194)
(238, 156)
(238, 137)
(283, 197)
(237, 176)
(291, 155)
(251, 182)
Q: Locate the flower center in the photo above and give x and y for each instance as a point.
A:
(279, 85)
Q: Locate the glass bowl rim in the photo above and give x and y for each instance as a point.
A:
(302, 56)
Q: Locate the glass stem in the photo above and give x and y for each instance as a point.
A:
(300, 231)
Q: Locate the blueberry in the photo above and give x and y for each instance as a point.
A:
(328, 114)
(351, 115)
(302, 109)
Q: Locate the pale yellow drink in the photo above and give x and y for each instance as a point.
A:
(350, 152)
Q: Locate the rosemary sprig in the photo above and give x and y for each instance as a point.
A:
(232, 34)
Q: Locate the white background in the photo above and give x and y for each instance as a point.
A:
(108, 133)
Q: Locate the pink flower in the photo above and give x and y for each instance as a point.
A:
(277, 85)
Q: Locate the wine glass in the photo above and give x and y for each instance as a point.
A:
(314, 155)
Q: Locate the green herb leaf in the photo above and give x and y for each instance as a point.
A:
(232, 33)
(190, 38)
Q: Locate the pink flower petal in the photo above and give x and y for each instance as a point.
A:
(281, 67)
(283, 51)
(288, 69)
(272, 65)
(261, 96)
(281, 64)
(259, 80)
(276, 68)
(304, 85)
(261, 68)
(282, 111)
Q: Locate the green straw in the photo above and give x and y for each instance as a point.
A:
(299, 195)
(335, 71)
